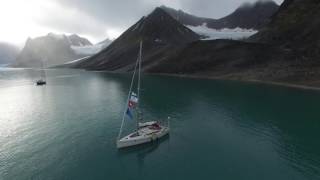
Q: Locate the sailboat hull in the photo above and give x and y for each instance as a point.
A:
(41, 83)
(142, 136)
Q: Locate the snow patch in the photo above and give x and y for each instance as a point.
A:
(90, 50)
(158, 40)
(87, 50)
(226, 33)
(77, 60)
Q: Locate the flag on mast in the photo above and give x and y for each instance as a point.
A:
(133, 100)
(128, 112)
(132, 104)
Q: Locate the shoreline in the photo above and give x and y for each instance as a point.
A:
(282, 84)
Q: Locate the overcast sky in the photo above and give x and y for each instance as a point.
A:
(94, 19)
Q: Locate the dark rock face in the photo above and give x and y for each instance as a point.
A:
(226, 59)
(296, 28)
(249, 16)
(285, 50)
(161, 35)
(51, 49)
(296, 25)
(8, 53)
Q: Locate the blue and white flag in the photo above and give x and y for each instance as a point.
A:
(128, 112)
(134, 98)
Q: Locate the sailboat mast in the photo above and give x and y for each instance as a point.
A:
(137, 65)
(43, 72)
(139, 73)
(129, 94)
(139, 84)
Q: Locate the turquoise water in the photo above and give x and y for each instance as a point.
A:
(219, 129)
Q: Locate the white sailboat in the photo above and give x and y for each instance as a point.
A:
(145, 131)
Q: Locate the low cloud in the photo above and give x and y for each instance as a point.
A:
(96, 19)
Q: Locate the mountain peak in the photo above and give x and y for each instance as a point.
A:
(76, 40)
(161, 35)
(74, 35)
(56, 48)
(159, 25)
(56, 36)
(158, 11)
(159, 15)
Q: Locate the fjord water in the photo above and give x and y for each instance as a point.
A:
(219, 129)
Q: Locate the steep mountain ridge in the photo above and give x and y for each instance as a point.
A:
(53, 49)
(160, 33)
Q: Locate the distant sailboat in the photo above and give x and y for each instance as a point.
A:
(145, 131)
(42, 81)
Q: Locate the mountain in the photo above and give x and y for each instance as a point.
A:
(161, 35)
(8, 53)
(53, 49)
(76, 40)
(248, 16)
(286, 50)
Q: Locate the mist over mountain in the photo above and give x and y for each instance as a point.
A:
(54, 49)
(248, 16)
(8, 53)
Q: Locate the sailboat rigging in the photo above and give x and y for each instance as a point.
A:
(145, 131)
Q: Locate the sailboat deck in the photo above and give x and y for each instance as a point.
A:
(143, 135)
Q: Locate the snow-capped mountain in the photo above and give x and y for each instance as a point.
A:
(55, 49)
(91, 49)
(76, 40)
